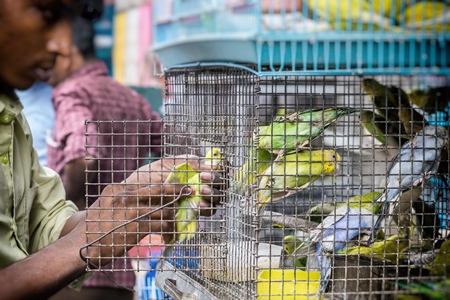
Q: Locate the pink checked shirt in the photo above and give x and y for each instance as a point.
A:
(121, 147)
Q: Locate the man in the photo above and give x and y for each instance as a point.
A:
(84, 91)
(41, 233)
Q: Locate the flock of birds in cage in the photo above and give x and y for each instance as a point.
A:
(283, 163)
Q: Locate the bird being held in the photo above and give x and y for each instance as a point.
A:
(293, 132)
(188, 208)
(295, 172)
(417, 160)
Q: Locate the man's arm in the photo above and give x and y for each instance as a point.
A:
(45, 272)
(48, 270)
(78, 172)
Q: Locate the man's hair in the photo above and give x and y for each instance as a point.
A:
(82, 27)
(92, 9)
(83, 36)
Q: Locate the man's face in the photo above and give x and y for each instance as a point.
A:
(33, 34)
(62, 68)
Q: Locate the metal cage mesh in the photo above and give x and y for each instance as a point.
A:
(241, 252)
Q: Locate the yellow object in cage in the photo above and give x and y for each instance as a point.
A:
(288, 284)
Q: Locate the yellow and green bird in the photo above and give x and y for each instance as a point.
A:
(290, 244)
(412, 121)
(389, 249)
(295, 172)
(441, 264)
(350, 15)
(388, 8)
(322, 210)
(295, 131)
(186, 224)
(427, 16)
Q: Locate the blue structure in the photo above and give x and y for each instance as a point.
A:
(290, 42)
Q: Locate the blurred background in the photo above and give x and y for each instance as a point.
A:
(123, 37)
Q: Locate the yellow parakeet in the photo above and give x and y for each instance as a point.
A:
(388, 8)
(349, 14)
(295, 172)
(427, 15)
(186, 217)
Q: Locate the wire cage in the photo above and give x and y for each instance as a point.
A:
(242, 251)
(332, 137)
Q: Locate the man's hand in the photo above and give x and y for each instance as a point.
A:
(144, 193)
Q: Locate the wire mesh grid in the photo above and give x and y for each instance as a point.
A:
(300, 223)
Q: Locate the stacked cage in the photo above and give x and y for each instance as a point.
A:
(330, 125)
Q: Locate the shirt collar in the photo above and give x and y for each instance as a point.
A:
(10, 107)
(91, 69)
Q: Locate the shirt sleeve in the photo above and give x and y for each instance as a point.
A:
(50, 210)
(46, 210)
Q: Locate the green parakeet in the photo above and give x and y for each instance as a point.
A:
(383, 131)
(426, 290)
(290, 244)
(246, 176)
(441, 264)
(387, 99)
(287, 134)
(349, 14)
(389, 249)
(412, 121)
(186, 217)
(295, 172)
(431, 100)
(318, 212)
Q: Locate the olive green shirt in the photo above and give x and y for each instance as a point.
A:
(33, 209)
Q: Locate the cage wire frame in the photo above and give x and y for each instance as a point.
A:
(238, 253)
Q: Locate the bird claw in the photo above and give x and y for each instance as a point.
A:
(280, 154)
